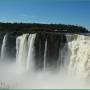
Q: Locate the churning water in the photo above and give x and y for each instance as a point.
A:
(46, 62)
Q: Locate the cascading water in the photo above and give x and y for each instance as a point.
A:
(3, 48)
(78, 48)
(25, 51)
(45, 54)
(30, 56)
(25, 47)
(73, 53)
(22, 50)
(80, 57)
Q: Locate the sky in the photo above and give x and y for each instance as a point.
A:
(75, 12)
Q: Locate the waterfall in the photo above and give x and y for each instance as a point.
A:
(31, 52)
(44, 57)
(45, 54)
(75, 53)
(3, 48)
(22, 50)
(25, 51)
(80, 57)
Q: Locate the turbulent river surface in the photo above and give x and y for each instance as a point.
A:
(44, 60)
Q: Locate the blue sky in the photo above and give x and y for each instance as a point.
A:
(46, 11)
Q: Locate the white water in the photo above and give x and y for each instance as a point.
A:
(80, 57)
(22, 50)
(3, 48)
(30, 56)
(13, 77)
(45, 54)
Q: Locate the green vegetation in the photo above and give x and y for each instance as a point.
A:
(36, 27)
(72, 37)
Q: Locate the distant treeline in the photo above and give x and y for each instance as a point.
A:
(37, 27)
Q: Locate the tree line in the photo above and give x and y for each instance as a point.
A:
(37, 27)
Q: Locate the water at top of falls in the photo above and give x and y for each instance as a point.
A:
(30, 56)
(45, 54)
(3, 48)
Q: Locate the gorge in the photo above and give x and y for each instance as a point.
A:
(43, 55)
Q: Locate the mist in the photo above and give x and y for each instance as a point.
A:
(40, 64)
(12, 76)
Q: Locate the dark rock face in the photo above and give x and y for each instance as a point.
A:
(39, 50)
(11, 46)
(55, 43)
